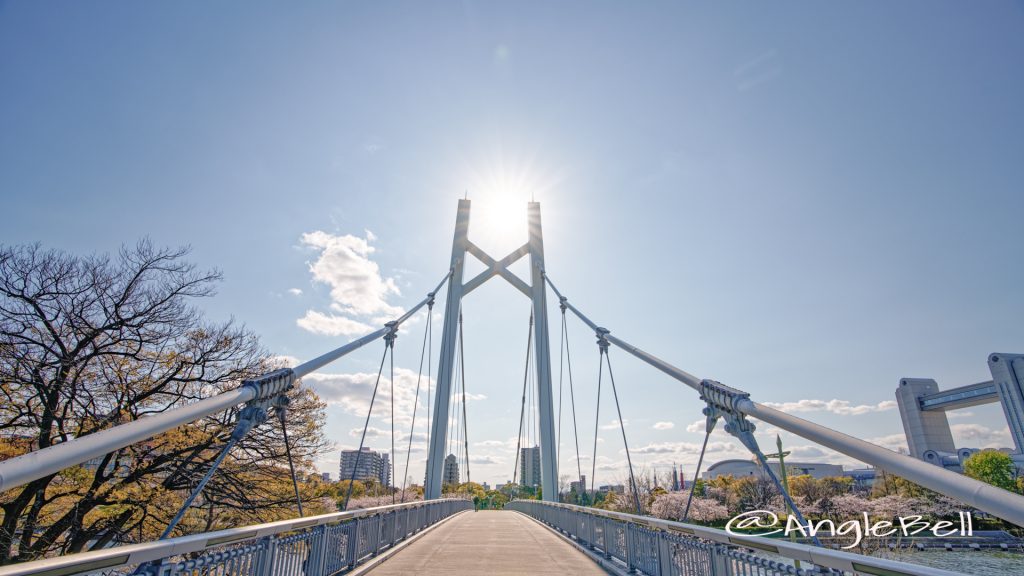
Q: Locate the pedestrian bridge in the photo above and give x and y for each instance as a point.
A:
(446, 537)
(493, 542)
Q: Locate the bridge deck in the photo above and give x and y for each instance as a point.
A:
(488, 542)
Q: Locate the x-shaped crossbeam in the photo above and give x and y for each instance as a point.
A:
(497, 268)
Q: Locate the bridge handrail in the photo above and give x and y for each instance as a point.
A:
(25, 468)
(827, 557)
(136, 554)
(992, 499)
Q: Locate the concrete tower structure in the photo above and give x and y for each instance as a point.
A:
(923, 410)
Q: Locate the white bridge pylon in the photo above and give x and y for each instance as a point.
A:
(535, 291)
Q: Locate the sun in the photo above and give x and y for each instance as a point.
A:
(499, 217)
(500, 191)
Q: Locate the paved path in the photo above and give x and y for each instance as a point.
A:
(490, 542)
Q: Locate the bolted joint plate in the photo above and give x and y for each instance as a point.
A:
(392, 333)
(720, 396)
(722, 401)
(271, 384)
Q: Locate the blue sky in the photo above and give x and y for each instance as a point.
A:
(804, 200)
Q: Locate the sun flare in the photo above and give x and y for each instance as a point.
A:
(500, 191)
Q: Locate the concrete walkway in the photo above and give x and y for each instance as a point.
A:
(491, 542)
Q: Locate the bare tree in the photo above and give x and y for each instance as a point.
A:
(90, 342)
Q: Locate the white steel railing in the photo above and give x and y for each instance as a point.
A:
(640, 544)
(312, 546)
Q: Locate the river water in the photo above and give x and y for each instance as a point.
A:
(980, 563)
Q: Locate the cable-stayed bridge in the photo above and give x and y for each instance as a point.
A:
(443, 536)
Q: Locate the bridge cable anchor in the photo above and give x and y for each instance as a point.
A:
(602, 339)
(392, 334)
(270, 390)
(723, 402)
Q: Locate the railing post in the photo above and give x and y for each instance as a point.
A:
(719, 561)
(379, 534)
(631, 539)
(605, 524)
(265, 563)
(312, 565)
(664, 554)
(352, 544)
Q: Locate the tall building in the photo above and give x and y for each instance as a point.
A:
(529, 466)
(579, 485)
(385, 470)
(371, 465)
(451, 470)
(675, 479)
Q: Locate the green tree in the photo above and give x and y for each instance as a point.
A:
(699, 488)
(993, 467)
(892, 485)
(496, 499)
(341, 490)
(471, 489)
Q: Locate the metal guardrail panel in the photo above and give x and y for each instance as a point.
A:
(313, 546)
(664, 548)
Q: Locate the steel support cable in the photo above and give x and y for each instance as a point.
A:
(572, 400)
(391, 464)
(362, 439)
(416, 398)
(522, 408)
(37, 464)
(533, 407)
(281, 409)
(597, 421)
(696, 474)
(465, 422)
(199, 489)
(561, 367)
(430, 352)
(622, 427)
(450, 422)
(996, 501)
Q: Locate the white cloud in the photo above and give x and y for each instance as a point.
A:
(835, 406)
(352, 393)
(494, 444)
(332, 325)
(359, 293)
(295, 291)
(470, 397)
(697, 426)
(978, 436)
(894, 442)
(663, 425)
(959, 414)
(614, 424)
(805, 452)
(682, 447)
(485, 459)
(285, 360)
(401, 436)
